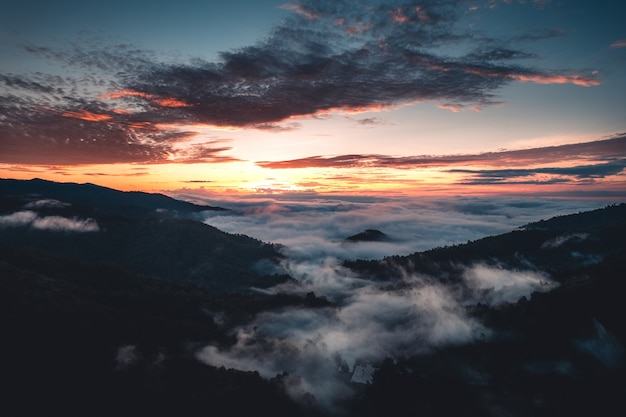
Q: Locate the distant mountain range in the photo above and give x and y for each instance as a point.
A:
(106, 296)
(15, 193)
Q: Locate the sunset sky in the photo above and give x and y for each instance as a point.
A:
(449, 97)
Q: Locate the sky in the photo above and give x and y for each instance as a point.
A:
(370, 97)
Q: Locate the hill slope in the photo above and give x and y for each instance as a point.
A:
(146, 234)
(15, 193)
(561, 352)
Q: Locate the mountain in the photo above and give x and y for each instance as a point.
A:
(560, 352)
(105, 297)
(15, 193)
(145, 234)
(83, 338)
(368, 235)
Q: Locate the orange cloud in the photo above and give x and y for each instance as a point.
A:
(87, 115)
(398, 16)
(301, 10)
(455, 108)
(365, 109)
(359, 28)
(163, 102)
(171, 102)
(535, 78)
(123, 93)
(581, 153)
(452, 107)
(556, 79)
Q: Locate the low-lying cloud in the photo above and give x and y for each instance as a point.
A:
(314, 227)
(367, 323)
(499, 285)
(563, 239)
(49, 223)
(370, 320)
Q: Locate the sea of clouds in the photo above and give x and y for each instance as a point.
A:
(369, 320)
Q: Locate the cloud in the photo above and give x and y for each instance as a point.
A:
(619, 44)
(563, 239)
(314, 227)
(604, 347)
(581, 172)
(126, 357)
(50, 223)
(505, 286)
(63, 224)
(124, 101)
(46, 136)
(301, 9)
(613, 148)
(369, 320)
(46, 203)
(322, 346)
(370, 121)
(20, 218)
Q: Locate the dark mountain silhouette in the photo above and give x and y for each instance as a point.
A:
(368, 235)
(101, 199)
(83, 338)
(163, 244)
(559, 352)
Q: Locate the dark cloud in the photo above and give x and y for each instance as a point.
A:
(539, 34)
(341, 55)
(582, 172)
(49, 136)
(370, 121)
(614, 148)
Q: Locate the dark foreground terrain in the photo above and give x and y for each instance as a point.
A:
(107, 320)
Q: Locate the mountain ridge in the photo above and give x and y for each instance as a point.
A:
(96, 224)
(105, 199)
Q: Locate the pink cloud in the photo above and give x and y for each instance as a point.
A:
(455, 108)
(556, 79)
(87, 115)
(542, 155)
(619, 44)
(301, 10)
(160, 101)
(398, 16)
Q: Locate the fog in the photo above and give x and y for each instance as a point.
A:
(313, 227)
(369, 320)
(27, 218)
